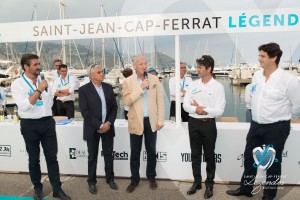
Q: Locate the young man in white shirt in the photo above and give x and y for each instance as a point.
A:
(204, 101)
(55, 75)
(34, 100)
(275, 97)
(64, 88)
(184, 84)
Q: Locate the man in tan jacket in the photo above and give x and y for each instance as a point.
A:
(142, 92)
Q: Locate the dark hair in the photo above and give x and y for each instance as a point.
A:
(62, 66)
(127, 72)
(57, 60)
(26, 59)
(206, 61)
(273, 50)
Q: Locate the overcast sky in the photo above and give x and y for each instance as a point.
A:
(220, 46)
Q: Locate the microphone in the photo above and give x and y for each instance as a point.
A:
(146, 77)
(43, 78)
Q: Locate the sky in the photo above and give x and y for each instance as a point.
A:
(220, 46)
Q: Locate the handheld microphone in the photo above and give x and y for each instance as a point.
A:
(43, 78)
(146, 77)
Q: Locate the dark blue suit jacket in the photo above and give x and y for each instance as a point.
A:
(91, 109)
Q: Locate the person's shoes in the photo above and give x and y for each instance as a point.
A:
(131, 187)
(38, 194)
(238, 192)
(62, 195)
(208, 192)
(93, 189)
(112, 185)
(153, 184)
(267, 198)
(196, 186)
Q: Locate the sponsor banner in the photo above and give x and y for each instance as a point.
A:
(77, 153)
(260, 20)
(5, 150)
(123, 155)
(187, 157)
(160, 156)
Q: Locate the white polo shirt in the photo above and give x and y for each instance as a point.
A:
(274, 100)
(184, 84)
(210, 95)
(21, 89)
(68, 83)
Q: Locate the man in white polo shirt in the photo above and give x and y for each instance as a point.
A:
(184, 84)
(34, 100)
(64, 88)
(275, 97)
(204, 101)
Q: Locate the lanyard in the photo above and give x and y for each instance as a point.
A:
(182, 83)
(26, 81)
(66, 82)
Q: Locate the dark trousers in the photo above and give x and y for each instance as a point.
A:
(203, 134)
(259, 134)
(93, 149)
(65, 108)
(125, 114)
(184, 115)
(54, 107)
(36, 132)
(136, 147)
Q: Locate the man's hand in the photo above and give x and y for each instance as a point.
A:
(183, 92)
(145, 83)
(194, 103)
(199, 109)
(43, 85)
(104, 128)
(159, 126)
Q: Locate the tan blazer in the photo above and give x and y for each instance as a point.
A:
(133, 97)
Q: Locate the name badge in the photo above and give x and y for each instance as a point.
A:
(39, 103)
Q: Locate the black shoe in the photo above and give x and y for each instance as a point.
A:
(208, 192)
(238, 192)
(38, 194)
(112, 185)
(92, 189)
(62, 195)
(196, 186)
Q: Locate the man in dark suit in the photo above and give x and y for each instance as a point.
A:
(98, 107)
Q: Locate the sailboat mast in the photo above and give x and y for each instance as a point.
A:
(102, 40)
(37, 42)
(62, 16)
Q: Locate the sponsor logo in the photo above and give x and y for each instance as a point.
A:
(264, 157)
(187, 157)
(75, 153)
(160, 156)
(118, 155)
(5, 150)
(241, 157)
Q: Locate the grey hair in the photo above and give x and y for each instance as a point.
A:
(135, 58)
(91, 68)
(182, 63)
